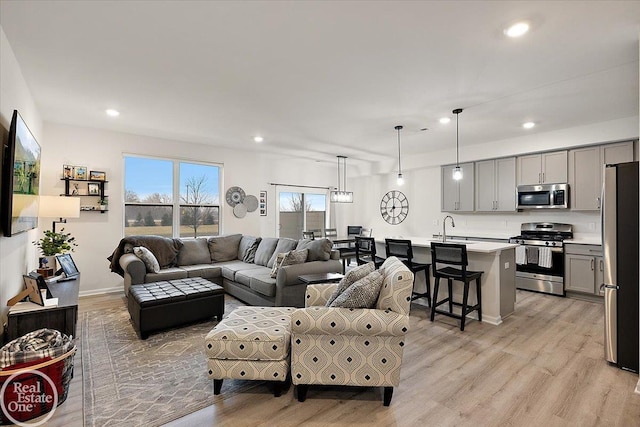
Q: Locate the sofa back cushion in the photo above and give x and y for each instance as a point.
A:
(224, 248)
(194, 251)
(284, 245)
(319, 249)
(265, 250)
(247, 248)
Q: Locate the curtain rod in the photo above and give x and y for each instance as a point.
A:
(301, 186)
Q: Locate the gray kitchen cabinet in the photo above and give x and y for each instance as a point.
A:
(457, 196)
(496, 185)
(584, 268)
(585, 172)
(542, 168)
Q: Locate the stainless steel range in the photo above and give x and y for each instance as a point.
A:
(540, 256)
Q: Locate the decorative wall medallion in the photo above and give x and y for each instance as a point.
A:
(240, 210)
(394, 207)
(251, 202)
(235, 195)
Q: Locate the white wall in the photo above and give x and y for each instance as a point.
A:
(98, 234)
(17, 254)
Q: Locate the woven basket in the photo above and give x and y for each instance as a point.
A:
(59, 370)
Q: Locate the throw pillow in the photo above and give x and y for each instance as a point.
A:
(224, 248)
(288, 258)
(350, 278)
(147, 258)
(247, 248)
(362, 294)
(284, 245)
(319, 249)
(265, 250)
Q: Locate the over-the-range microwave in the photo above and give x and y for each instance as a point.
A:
(543, 196)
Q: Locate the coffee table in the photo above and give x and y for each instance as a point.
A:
(312, 279)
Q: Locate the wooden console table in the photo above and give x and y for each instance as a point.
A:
(62, 317)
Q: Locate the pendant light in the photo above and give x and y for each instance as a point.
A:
(400, 180)
(457, 171)
(341, 195)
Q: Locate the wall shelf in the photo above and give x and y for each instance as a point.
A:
(87, 190)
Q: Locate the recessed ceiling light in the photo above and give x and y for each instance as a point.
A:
(258, 138)
(445, 120)
(113, 113)
(528, 125)
(516, 30)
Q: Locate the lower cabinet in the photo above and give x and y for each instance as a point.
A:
(584, 268)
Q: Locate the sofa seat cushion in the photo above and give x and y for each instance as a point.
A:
(263, 284)
(171, 273)
(251, 333)
(207, 271)
(244, 276)
(229, 269)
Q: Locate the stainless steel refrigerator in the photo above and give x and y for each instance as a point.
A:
(620, 245)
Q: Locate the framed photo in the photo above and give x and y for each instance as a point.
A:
(80, 172)
(94, 189)
(67, 265)
(262, 203)
(31, 284)
(97, 176)
(68, 171)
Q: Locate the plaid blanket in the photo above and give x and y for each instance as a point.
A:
(35, 345)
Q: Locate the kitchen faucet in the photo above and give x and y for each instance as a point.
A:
(444, 228)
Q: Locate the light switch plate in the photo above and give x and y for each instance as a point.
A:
(506, 265)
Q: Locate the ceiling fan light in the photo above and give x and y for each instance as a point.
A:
(457, 173)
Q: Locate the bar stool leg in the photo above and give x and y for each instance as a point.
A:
(427, 278)
(436, 285)
(465, 298)
(450, 286)
(479, 295)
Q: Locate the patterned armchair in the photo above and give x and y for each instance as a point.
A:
(354, 347)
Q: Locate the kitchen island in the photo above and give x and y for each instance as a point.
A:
(495, 259)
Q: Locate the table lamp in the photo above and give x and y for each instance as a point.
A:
(59, 207)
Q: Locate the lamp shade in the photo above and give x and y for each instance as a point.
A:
(59, 207)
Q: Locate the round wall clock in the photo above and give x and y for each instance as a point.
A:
(394, 207)
(235, 195)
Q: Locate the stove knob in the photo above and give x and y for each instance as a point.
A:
(546, 243)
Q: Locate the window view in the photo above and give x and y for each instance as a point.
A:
(150, 205)
(301, 211)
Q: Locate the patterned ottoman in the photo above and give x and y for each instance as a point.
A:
(252, 343)
(161, 305)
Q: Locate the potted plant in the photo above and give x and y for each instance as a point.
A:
(54, 243)
(103, 204)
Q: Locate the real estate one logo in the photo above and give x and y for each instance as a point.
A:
(23, 395)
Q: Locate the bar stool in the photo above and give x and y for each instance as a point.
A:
(308, 235)
(403, 250)
(348, 251)
(450, 254)
(366, 252)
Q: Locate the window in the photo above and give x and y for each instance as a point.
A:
(300, 211)
(171, 198)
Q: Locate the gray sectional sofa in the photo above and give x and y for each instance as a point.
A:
(241, 264)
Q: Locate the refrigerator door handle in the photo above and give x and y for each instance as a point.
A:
(610, 323)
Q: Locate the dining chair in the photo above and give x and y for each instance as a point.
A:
(454, 255)
(308, 235)
(402, 249)
(330, 232)
(366, 232)
(365, 251)
(317, 233)
(354, 230)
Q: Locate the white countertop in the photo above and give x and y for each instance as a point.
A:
(587, 239)
(472, 246)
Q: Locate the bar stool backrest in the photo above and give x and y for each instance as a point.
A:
(353, 230)
(451, 254)
(365, 246)
(330, 232)
(308, 235)
(365, 232)
(316, 232)
(399, 248)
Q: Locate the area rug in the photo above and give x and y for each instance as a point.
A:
(132, 382)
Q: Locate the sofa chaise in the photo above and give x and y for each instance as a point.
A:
(243, 265)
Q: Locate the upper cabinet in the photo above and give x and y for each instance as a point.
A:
(543, 168)
(457, 195)
(586, 168)
(496, 185)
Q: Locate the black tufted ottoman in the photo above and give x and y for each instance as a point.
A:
(161, 305)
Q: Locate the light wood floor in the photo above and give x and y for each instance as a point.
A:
(543, 366)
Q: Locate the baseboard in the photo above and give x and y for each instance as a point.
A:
(101, 291)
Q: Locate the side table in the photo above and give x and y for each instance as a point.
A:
(62, 317)
(312, 279)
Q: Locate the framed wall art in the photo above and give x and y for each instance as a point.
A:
(262, 203)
